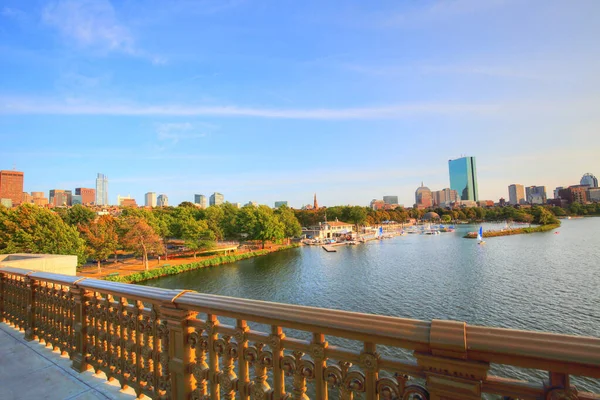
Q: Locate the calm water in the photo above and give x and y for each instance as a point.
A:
(542, 281)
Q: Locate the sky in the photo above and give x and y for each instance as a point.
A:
(278, 100)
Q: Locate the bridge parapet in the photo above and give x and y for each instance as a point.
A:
(172, 344)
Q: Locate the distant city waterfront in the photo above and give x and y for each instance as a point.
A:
(544, 281)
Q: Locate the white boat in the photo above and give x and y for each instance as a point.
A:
(480, 236)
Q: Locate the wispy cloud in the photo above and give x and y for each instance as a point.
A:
(177, 131)
(523, 72)
(57, 107)
(436, 11)
(94, 24)
(10, 12)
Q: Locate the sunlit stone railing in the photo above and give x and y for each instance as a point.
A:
(170, 344)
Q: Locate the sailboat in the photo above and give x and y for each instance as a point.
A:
(480, 236)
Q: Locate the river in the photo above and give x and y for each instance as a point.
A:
(543, 281)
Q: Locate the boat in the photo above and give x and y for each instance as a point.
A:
(480, 236)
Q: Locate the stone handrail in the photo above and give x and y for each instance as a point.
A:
(170, 344)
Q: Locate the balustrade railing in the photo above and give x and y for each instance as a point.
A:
(171, 344)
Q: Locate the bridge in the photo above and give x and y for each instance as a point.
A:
(180, 344)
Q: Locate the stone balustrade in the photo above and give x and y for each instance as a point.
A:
(170, 344)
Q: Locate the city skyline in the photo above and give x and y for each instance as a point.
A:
(185, 98)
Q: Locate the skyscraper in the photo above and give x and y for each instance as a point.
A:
(150, 199)
(444, 197)
(463, 178)
(390, 199)
(280, 203)
(216, 199)
(11, 186)
(535, 194)
(516, 194)
(201, 200)
(162, 201)
(423, 197)
(102, 190)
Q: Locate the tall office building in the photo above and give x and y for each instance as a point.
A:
(162, 200)
(590, 180)
(390, 199)
(516, 194)
(201, 200)
(150, 199)
(216, 199)
(443, 198)
(60, 198)
(88, 196)
(535, 194)
(102, 190)
(423, 197)
(11, 186)
(463, 178)
(281, 203)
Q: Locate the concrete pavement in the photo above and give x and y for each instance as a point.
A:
(29, 370)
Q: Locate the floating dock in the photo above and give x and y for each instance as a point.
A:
(329, 249)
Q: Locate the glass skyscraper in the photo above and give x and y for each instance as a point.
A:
(463, 178)
(101, 190)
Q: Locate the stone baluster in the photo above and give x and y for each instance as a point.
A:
(369, 362)
(559, 387)
(317, 350)
(213, 358)
(241, 339)
(80, 297)
(2, 288)
(449, 375)
(32, 286)
(275, 339)
(180, 354)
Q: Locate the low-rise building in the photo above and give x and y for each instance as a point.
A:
(377, 204)
(593, 195)
(329, 230)
(574, 194)
(88, 196)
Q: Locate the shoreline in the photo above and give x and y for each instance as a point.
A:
(510, 232)
(167, 270)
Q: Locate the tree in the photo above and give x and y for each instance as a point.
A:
(197, 236)
(214, 216)
(141, 238)
(101, 238)
(33, 229)
(262, 224)
(358, 216)
(79, 215)
(291, 226)
(446, 218)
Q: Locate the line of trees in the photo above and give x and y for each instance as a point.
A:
(543, 215)
(79, 231)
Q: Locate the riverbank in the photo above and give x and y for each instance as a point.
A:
(168, 269)
(509, 232)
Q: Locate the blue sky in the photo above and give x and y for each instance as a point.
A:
(276, 100)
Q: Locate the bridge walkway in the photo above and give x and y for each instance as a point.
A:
(29, 370)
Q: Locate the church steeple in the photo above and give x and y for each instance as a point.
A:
(316, 203)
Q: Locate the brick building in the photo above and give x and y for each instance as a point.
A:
(88, 196)
(574, 194)
(11, 186)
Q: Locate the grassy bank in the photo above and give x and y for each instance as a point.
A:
(167, 270)
(509, 232)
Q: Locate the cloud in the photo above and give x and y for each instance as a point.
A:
(57, 107)
(93, 24)
(438, 11)
(176, 132)
(12, 13)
